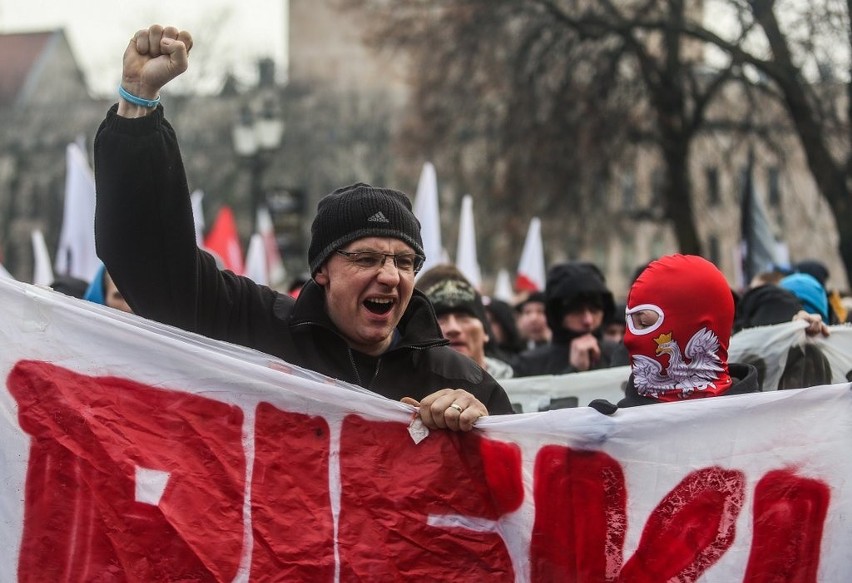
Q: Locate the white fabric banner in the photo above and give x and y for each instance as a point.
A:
(133, 451)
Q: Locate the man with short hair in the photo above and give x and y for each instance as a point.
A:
(359, 319)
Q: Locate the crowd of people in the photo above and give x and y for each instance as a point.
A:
(364, 313)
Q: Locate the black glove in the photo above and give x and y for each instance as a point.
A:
(603, 406)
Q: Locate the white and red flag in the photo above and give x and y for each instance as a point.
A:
(136, 452)
(531, 275)
(224, 240)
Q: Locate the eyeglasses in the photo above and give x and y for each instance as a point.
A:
(406, 262)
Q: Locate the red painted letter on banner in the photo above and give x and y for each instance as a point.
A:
(127, 482)
(291, 511)
(424, 512)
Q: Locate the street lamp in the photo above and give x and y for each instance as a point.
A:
(255, 137)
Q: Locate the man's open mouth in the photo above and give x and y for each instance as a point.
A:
(379, 306)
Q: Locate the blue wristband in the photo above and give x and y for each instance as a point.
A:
(127, 96)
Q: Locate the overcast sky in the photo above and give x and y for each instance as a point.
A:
(229, 34)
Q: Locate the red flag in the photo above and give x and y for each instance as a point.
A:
(224, 241)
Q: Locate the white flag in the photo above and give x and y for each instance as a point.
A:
(531, 275)
(76, 255)
(427, 212)
(42, 272)
(198, 215)
(503, 287)
(466, 259)
(256, 261)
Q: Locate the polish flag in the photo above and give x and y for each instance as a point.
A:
(224, 241)
(466, 259)
(531, 275)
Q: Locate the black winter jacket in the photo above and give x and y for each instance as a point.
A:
(144, 234)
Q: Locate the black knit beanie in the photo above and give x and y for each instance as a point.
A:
(358, 211)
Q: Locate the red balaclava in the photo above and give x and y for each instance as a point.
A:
(684, 354)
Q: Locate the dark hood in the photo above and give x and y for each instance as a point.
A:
(766, 305)
(565, 283)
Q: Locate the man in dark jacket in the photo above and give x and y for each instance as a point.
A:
(359, 319)
(577, 302)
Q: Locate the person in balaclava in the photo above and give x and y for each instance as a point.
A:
(680, 313)
(577, 303)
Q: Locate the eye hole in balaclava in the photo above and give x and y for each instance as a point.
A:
(679, 315)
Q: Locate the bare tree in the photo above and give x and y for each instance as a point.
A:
(552, 91)
(807, 59)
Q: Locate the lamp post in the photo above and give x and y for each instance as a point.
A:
(256, 136)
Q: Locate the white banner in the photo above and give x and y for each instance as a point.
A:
(137, 452)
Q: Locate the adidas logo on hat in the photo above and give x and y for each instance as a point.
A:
(379, 217)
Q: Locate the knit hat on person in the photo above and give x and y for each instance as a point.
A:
(358, 211)
(809, 291)
(455, 295)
